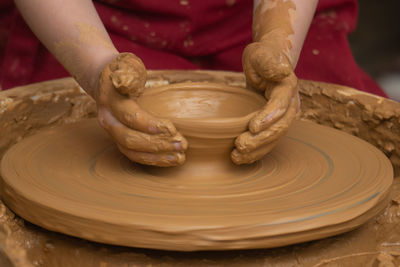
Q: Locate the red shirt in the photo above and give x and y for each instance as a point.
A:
(189, 34)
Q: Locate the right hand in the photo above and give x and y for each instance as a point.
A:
(140, 136)
(267, 69)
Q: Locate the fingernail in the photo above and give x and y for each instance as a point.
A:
(270, 116)
(181, 158)
(162, 129)
(177, 138)
(153, 130)
(102, 123)
(178, 146)
(171, 157)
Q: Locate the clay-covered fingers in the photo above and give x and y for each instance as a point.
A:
(140, 141)
(280, 99)
(127, 111)
(262, 64)
(247, 158)
(151, 149)
(132, 115)
(167, 159)
(250, 147)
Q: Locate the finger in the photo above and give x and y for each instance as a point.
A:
(138, 141)
(252, 78)
(154, 159)
(132, 115)
(247, 158)
(282, 95)
(128, 74)
(248, 142)
(124, 108)
(272, 66)
(263, 64)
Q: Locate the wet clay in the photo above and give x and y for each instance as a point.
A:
(374, 243)
(317, 182)
(367, 116)
(26, 110)
(209, 115)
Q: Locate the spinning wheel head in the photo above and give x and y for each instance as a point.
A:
(316, 183)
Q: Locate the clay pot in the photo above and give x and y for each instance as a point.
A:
(209, 115)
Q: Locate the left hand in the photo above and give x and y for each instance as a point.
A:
(140, 136)
(269, 70)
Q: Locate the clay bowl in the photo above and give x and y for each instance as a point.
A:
(209, 115)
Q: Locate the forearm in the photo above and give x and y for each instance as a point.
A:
(73, 33)
(285, 23)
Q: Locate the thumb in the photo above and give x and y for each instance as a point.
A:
(128, 74)
(272, 65)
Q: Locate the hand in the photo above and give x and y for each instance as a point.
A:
(267, 69)
(142, 137)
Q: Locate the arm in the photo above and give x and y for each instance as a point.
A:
(279, 30)
(73, 32)
(75, 35)
(288, 21)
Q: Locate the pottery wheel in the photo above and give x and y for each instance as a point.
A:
(317, 182)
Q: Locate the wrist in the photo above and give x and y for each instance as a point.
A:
(277, 42)
(98, 61)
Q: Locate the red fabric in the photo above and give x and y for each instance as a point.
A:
(326, 55)
(187, 34)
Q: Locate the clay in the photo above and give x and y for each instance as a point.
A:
(209, 115)
(25, 110)
(143, 138)
(367, 116)
(372, 244)
(309, 187)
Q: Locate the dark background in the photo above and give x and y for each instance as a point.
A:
(376, 42)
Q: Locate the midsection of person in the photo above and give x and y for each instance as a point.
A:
(188, 34)
(187, 28)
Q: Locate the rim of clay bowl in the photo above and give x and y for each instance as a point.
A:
(233, 123)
